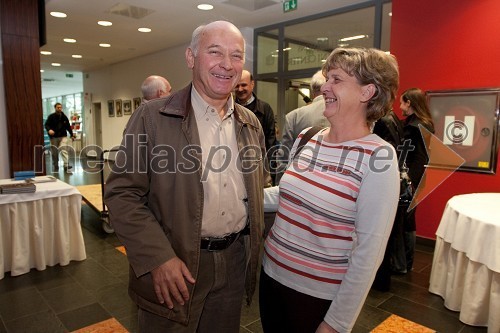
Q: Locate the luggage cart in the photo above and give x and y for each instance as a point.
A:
(106, 223)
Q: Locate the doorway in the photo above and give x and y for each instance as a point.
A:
(97, 124)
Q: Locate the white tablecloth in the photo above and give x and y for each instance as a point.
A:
(40, 229)
(466, 263)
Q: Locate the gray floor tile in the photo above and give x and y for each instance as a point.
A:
(41, 322)
(21, 303)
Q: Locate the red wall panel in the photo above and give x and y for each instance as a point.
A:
(447, 45)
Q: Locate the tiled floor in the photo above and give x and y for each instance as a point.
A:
(71, 298)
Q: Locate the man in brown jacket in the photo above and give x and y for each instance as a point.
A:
(186, 193)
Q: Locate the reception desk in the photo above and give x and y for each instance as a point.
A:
(466, 263)
(40, 229)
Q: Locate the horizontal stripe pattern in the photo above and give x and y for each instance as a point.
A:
(310, 243)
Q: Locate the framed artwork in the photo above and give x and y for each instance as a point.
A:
(111, 108)
(467, 121)
(118, 108)
(127, 107)
(137, 102)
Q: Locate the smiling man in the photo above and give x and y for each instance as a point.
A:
(193, 235)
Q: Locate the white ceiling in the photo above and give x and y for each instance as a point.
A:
(171, 21)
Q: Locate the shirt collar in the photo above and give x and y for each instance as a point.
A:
(250, 100)
(201, 107)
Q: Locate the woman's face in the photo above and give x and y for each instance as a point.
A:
(405, 107)
(342, 93)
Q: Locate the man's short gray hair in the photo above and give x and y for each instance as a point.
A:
(317, 80)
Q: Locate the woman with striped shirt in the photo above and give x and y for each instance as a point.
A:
(337, 202)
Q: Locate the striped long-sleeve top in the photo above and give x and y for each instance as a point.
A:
(337, 204)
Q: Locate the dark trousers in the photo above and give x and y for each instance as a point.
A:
(284, 310)
(394, 254)
(218, 297)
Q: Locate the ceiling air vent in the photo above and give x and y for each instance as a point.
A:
(127, 10)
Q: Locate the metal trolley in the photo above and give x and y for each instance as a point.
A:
(106, 222)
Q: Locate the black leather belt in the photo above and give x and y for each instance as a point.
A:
(219, 244)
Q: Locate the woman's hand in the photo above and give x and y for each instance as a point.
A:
(325, 328)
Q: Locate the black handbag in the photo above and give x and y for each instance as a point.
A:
(406, 190)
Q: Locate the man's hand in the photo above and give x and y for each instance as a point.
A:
(325, 328)
(51, 132)
(169, 280)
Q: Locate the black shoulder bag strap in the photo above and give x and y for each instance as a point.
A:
(305, 138)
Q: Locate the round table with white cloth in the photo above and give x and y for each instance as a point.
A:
(466, 263)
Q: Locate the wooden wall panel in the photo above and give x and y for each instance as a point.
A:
(22, 82)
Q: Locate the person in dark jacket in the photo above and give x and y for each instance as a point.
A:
(416, 109)
(390, 128)
(263, 111)
(57, 126)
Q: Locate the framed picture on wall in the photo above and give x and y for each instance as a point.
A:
(118, 108)
(137, 102)
(111, 108)
(127, 107)
(467, 121)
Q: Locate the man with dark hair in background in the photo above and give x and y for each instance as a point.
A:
(57, 124)
(263, 111)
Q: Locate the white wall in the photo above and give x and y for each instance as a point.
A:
(123, 81)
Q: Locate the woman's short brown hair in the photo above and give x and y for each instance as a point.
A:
(369, 66)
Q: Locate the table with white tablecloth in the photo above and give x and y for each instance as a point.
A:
(466, 263)
(40, 229)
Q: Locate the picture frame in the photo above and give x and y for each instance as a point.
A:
(118, 108)
(127, 107)
(467, 121)
(137, 102)
(111, 108)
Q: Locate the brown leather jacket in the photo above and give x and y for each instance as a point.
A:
(155, 194)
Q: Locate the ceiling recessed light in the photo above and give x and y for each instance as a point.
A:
(45, 52)
(78, 56)
(58, 14)
(353, 38)
(69, 40)
(144, 30)
(56, 64)
(105, 45)
(105, 23)
(205, 6)
(41, 71)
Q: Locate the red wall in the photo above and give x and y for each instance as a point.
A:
(444, 45)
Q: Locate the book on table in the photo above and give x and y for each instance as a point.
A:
(41, 179)
(13, 188)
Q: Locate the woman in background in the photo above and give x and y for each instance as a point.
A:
(416, 110)
(337, 202)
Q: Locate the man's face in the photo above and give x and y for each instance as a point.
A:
(244, 88)
(59, 108)
(217, 66)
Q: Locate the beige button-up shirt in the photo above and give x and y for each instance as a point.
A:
(224, 206)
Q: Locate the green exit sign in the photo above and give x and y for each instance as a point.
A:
(289, 5)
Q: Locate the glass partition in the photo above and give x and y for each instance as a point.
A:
(385, 44)
(288, 54)
(267, 52)
(308, 44)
